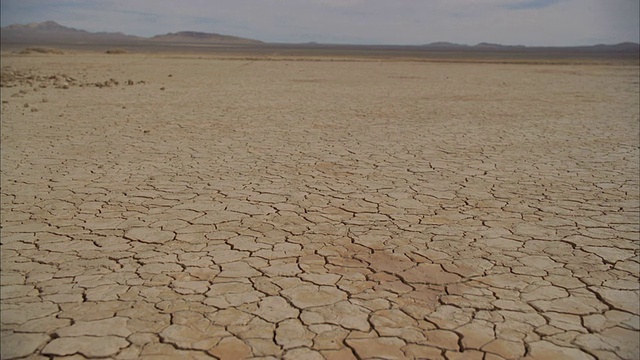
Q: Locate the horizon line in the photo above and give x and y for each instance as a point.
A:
(312, 42)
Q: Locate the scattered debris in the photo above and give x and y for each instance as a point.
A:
(108, 83)
(11, 78)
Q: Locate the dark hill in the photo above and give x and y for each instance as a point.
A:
(201, 37)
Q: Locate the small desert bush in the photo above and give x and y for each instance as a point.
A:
(41, 50)
(116, 51)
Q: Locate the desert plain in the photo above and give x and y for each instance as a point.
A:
(176, 206)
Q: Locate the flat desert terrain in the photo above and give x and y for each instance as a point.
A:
(168, 206)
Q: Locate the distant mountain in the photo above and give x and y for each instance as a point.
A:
(445, 45)
(201, 37)
(625, 46)
(50, 32)
(43, 26)
(484, 46)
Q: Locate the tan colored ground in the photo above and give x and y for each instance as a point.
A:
(318, 209)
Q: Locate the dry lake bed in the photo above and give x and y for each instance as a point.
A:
(167, 206)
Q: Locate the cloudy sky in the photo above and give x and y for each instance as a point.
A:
(525, 22)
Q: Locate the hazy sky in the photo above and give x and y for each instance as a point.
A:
(526, 22)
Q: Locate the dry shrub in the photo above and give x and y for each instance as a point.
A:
(41, 50)
(116, 51)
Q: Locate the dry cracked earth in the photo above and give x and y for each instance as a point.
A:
(175, 207)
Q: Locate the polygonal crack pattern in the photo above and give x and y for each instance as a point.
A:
(318, 210)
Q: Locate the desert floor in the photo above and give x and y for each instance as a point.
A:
(173, 206)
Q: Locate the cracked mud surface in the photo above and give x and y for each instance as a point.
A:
(318, 210)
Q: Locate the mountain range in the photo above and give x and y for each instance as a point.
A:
(50, 32)
(625, 46)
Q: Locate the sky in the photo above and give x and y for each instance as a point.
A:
(401, 22)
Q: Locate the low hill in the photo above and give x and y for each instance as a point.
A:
(52, 32)
(201, 37)
(484, 46)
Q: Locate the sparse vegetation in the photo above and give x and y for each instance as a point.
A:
(116, 51)
(41, 50)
